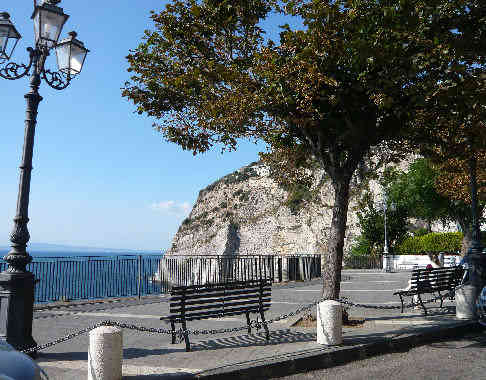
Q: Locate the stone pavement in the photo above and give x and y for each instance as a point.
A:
(240, 355)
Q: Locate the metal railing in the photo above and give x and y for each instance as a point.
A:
(98, 277)
(363, 262)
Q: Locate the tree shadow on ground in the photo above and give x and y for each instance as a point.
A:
(132, 353)
(432, 312)
(61, 356)
(276, 337)
(175, 375)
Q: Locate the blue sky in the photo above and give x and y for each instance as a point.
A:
(102, 176)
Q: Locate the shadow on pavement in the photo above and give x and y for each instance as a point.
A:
(131, 353)
(276, 337)
(61, 356)
(432, 312)
(176, 375)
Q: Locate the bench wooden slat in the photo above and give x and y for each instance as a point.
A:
(220, 305)
(220, 293)
(215, 287)
(215, 314)
(203, 301)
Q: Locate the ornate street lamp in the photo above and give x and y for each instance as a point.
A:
(16, 283)
(8, 37)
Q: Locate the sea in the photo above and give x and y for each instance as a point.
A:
(91, 274)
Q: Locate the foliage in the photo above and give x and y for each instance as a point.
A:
(419, 232)
(432, 242)
(350, 80)
(242, 195)
(454, 181)
(372, 223)
(361, 247)
(298, 195)
(415, 190)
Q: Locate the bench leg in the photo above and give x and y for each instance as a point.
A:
(172, 326)
(441, 298)
(401, 300)
(186, 336)
(422, 304)
(248, 322)
(267, 334)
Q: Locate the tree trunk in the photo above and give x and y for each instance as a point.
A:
(466, 240)
(331, 274)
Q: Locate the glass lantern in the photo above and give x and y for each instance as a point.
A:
(48, 22)
(8, 36)
(71, 54)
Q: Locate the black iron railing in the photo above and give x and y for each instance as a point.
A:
(97, 277)
(363, 262)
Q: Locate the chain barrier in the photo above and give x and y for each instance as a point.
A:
(180, 333)
(255, 324)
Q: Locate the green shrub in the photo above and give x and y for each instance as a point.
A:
(432, 242)
(361, 247)
(420, 232)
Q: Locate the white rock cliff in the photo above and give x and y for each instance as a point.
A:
(248, 213)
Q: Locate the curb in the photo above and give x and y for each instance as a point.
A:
(321, 358)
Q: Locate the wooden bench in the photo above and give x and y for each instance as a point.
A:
(217, 300)
(435, 280)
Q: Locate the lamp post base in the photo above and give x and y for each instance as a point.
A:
(17, 309)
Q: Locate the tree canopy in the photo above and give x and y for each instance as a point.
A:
(354, 77)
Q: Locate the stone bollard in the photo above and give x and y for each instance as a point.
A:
(466, 302)
(105, 353)
(329, 323)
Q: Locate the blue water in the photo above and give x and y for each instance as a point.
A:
(45, 254)
(92, 275)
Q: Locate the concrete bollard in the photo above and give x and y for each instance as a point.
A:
(105, 353)
(466, 302)
(329, 323)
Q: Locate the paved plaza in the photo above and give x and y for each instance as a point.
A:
(240, 355)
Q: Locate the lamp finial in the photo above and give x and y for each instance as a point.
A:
(51, 2)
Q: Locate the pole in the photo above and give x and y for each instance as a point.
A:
(139, 285)
(385, 248)
(16, 283)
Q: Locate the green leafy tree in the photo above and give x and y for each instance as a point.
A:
(371, 218)
(415, 190)
(348, 82)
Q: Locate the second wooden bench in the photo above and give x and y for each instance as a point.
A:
(435, 280)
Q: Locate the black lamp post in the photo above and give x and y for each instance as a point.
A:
(385, 248)
(16, 283)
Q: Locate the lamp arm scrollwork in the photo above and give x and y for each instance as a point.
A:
(12, 70)
(57, 80)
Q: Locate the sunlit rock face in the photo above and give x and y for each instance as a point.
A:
(248, 213)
